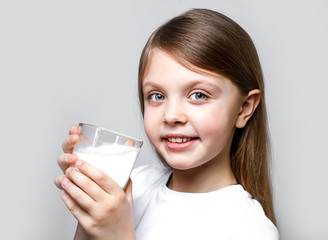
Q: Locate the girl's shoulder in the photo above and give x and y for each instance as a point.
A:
(250, 218)
(235, 212)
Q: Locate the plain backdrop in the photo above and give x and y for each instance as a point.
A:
(64, 62)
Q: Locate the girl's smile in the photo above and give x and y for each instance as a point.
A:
(179, 141)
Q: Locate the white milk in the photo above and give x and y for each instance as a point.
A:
(115, 160)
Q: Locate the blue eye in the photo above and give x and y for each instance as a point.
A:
(198, 96)
(156, 97)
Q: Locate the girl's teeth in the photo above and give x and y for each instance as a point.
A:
(179, 140)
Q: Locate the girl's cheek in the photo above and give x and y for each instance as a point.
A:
(148, 119)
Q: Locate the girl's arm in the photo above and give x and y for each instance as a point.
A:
(81, 234)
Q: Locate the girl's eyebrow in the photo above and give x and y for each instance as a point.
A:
(151, 85)
(190, 83)
(145, 84)
(204, 83)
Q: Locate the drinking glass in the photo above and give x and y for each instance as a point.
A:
(113, 153)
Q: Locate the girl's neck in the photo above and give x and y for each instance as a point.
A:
(205, 178)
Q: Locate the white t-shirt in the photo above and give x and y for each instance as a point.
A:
(228, 213)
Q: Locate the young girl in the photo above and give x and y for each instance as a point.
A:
(202, 97)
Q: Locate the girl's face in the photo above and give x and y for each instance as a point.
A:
(189, 117)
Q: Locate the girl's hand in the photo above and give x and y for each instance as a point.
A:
(102, 208)
(66, 159)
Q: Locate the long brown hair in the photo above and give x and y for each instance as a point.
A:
(208, 40)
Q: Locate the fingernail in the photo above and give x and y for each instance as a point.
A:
(63, 193)
(68, 170)
(71, 158)
(74, 138)
(65, 182)
(79, 163)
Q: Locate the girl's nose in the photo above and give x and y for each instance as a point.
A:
(174, 114)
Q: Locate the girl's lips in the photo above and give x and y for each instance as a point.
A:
(179, 143)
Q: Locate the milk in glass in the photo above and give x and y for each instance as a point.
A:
(115, 160)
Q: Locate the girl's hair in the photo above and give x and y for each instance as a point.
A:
(205, 39)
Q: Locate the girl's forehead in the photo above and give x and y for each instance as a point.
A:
(162, 66)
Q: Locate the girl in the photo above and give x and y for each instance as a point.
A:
(202, 97)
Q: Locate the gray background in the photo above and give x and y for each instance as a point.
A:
(62, 62)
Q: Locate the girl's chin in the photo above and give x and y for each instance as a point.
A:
(179, 163)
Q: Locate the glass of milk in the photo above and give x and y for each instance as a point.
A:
(113, 153)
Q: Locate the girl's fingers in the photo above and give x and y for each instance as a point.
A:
(66, 160)
(128, 192)
(86, 184)
(103, 180)
(80, 198)
(71, 139)
(58, 181)
(73, 130)
(73, 207)
(69, 143)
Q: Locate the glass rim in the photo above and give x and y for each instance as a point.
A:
(111, 132)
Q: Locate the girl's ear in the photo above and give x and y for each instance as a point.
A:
(251, 101)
